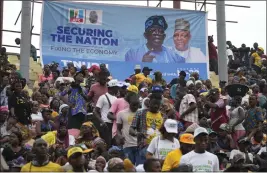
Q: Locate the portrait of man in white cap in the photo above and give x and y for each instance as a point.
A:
(153, 50)
(181, 39)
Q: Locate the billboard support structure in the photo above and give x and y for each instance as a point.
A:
(221, 41)
(25, 38)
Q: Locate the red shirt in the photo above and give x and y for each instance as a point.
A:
(218, 115)
(96, 91)
(212, 51)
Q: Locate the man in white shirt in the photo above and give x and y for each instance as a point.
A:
(102, 108)
(188, 106)
(199, 158)
(243, 145)
(181, 39)
(229, 54)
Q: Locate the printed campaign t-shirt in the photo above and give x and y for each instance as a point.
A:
(161, 147)
(153, 123)
(201, 162)
(50, 167)
(125, 118)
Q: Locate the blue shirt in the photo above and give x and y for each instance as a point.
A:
(164, 56)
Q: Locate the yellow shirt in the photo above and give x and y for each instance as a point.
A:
(141, 78)
(172, 160)
(50, 167)
(257, 59)
(153, 124)
(54, 114)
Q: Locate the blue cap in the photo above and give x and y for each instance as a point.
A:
(156, 21)
(157, 89)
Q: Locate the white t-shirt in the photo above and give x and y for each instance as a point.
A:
(161, 147)
(103, 105)
(143, 103)
(37, 117)
(71, 140)
(201, 162)
(229, 52)
(234, 152)
(263, 149)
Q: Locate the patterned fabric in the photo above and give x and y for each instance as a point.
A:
(254, 116)
(139, 123)
(90, 81)
(78, 102)
(185, 104)
(4, 97)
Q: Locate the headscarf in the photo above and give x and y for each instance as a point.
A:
(61, 107)
(113, 162)
(94, 130)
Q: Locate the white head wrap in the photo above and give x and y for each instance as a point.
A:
(61, 107)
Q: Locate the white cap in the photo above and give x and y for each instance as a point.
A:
(198, 81)
(199, 131)
(188, 83)
(137, 67)
(113, 83)
(171, 126)
(143, 89)
(123, 84)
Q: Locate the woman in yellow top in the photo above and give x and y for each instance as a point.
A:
(172, 159)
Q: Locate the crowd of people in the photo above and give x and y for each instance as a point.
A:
(81, 120)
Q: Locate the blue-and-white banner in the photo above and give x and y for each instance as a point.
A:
(166, 40)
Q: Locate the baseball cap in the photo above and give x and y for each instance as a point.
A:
(143, 89)
(112, 83)
(137, 67)
(147, 69)
(190, 82)
(123, 84)
(192, 128)
(74, 150)
(132, 88)
(187, 138)
(200, 130)
(171, 126)
(182, 73)
(93, 67)
(156, 89)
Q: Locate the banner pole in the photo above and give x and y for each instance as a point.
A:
(25, 44)
(221, 40)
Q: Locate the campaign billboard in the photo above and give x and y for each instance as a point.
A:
(166, 40)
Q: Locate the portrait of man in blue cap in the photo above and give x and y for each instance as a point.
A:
(153, 50)
(181, 39)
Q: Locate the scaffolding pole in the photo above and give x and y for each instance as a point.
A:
(25, 44)
(1, 21)
(221, 39)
